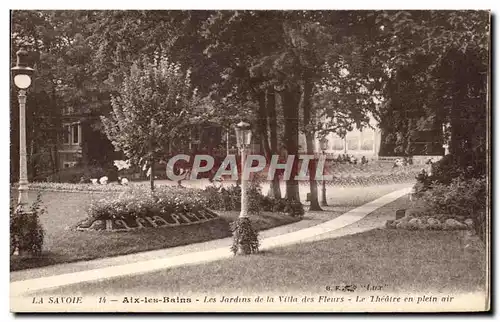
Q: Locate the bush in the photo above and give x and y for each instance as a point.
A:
(245, 237)
(223, 198)
(26, 232)
(294, 208)
(452, 166)
(230, 199)
(256, 201)
(460, 199)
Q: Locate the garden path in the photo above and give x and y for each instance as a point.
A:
(26, 281)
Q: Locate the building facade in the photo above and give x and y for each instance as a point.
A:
(365, 142)
(70, 149)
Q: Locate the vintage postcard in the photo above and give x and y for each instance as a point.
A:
(250, 161)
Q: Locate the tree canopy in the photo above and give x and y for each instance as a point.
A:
(287, 72)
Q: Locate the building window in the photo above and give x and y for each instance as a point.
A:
(338, 144)
(75, 133)
(66, 134)
(68, 110)
(72, 134)
(367, 145)
(68, 164)
(353, 143)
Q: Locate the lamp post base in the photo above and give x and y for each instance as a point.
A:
(245, 237)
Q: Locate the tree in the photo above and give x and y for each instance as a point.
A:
(442, 57)
(62, 56)
(285, 52)
(153, 106)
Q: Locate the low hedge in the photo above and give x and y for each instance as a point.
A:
(221, 198)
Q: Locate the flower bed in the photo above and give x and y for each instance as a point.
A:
(139, 208)
(85, 187)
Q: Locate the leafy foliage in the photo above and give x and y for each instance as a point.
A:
(26, 232)
(230, 199)
(154, 106)
(435, 64)
(462, 198)
(245, 237)
(451, 167)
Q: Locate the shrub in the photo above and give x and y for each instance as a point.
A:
(294, 208)
(460, 199)
(26, 232)
(278, 205)
(256, 201)
(223, 198)
(230, 199)
(245, 237)
(453, 166)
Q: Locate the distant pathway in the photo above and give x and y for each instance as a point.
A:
(24, 282)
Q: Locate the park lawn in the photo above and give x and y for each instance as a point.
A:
(398, 260)
(416, 262)
(64, 209)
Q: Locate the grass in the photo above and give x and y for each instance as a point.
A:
(68, 208)
(63, 245)
(398, 260)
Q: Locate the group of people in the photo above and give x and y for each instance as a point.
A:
(351, 159)
(403, 162)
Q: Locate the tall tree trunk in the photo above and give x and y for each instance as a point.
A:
(152, 166)
(263, 134)
(291, 100)
(456, 122)
(262, 125)
(275, 190)
(57, 126)
(309, 133)
(33, 144)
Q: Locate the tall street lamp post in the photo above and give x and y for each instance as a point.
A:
(245, 237)
(22, 79)
(324, 147)
(243, 138)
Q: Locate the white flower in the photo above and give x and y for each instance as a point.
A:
(120, 164)
(103, 180)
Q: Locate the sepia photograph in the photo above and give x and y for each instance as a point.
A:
(250, 161)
